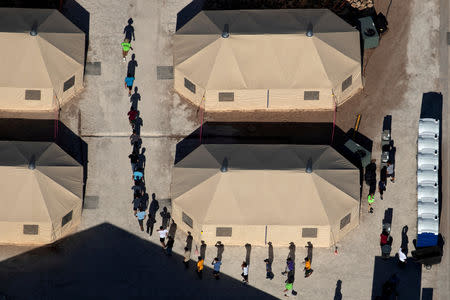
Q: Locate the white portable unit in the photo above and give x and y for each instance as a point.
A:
(425, 224)
(429, 178)
(427, 209)
(428, 162)
(428, 194)
(428, 146)
(429, 128)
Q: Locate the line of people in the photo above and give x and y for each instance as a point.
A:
(167, 229)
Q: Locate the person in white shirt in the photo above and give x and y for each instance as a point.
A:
(401, 256)
(162, 236)
(244, 274)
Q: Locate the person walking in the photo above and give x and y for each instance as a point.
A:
(165, 215)
(382, 182)
(307, 269)
(134, 138)
(289, 266)
(401, 257)
(129, 30)
(390, 171)
(126, 46)
(141, 216)
(137, 176)
(137, 202)
(200, 267)
(216, 263)
(244, 274)
(269, 273)
(169, 246)
(134, 158)
(162, 236)
(150, 223)
(288, 289)
(187, 257)
(132, 116)
(129, 83)
(370, 201)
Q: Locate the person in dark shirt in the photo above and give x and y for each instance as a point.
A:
(134, 159)
(165, 215)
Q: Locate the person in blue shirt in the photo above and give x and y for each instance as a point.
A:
(141, 216)
(216, 263)
(129, 83)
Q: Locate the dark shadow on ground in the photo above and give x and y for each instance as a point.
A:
(49, 131)
(106, 262)
(409, 285)
(337, 291)
(79, 16)
(339, 7)
(271, 133)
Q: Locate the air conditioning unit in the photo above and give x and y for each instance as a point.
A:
(430, 225)
(428, 146)
(427, 178)
(428, 194)
(428, 162)
(429, 128)
(425, 209)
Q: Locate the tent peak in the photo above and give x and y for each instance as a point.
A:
(309, 30)
(226, 31)
(308, 168)
(33, 31)
(224, 167)
(32, 163)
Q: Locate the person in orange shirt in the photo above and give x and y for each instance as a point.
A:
(308, 270)
(200, 267)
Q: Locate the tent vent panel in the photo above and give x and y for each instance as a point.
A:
(69, 83)
(309, 232)
(67, 218)
(187, 220)
(224, 231)
(226, 97)
(347, 83)
(31, 229)
(345, 220)
(311, 95)
(32, 95)
(189, 85)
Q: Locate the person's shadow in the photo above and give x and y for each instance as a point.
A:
(138, 123)
(405, 239)
(142, 159)
(173, 229)
(220, 248)
(337, 292)
(129, 30)
(291, 251)
(132, 64)
(248, 250)
(203, 250)
(189, 240)
(134, 99)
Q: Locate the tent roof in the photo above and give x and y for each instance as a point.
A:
(42, 61)
(267, 49)
(265, 184)
(42, 194)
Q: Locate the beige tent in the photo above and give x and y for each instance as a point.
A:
(259, 193)
(42, 71)
(41, 189)
(267, 61)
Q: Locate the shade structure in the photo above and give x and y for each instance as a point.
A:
(267, 59)
(241, 193)
(41, 190)
(41, 71)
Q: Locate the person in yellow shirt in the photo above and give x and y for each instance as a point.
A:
(126, 46)
(308, 270)
(200, 267)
